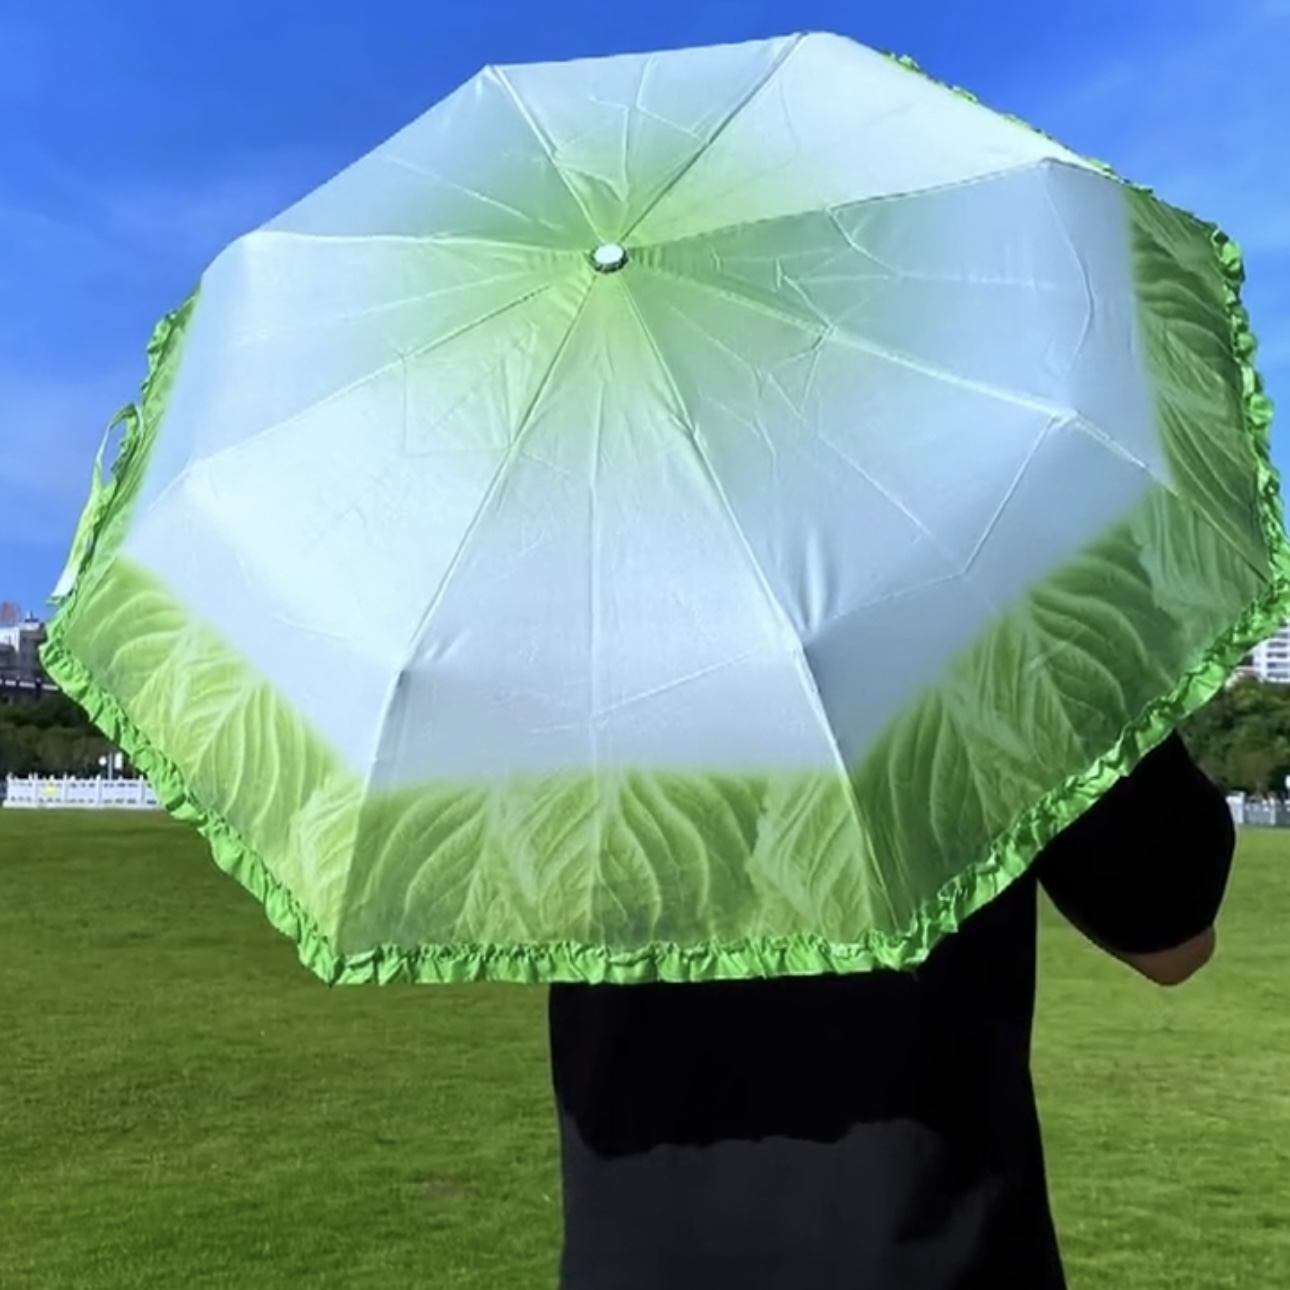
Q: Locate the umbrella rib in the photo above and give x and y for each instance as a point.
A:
(435, 177)
(403, 239)
(495, 202)
(1013, 489)
(1205, 518)
(721, 127)
(365, 379)
(522, 426)
(827, 331)
(805, 674)
(370, 311)
(833, 209)
(544, 142)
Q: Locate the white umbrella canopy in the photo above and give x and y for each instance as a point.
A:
(704, 514)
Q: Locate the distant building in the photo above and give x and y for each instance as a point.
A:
(1270, 660)
(22, 678)
(20, 649)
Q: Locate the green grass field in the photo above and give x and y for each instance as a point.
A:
(183, 1108)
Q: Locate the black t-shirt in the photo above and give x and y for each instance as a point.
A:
(869, 1132)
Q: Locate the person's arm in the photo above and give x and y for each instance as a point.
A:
(1173, 967)
(1166, 967)
(1143, 873)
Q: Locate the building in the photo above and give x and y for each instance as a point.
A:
(20, 649)
(1270, 660)
(22, 678)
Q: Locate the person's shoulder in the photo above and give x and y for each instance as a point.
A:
(1166, 795)
(1161, 778)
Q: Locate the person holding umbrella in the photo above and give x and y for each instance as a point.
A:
(715, 531)
(867, 1132)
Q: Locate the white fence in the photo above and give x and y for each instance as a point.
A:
(1260, 812)
(136, 794)
(98, 794)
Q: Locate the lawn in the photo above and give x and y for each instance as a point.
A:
(183, 1108)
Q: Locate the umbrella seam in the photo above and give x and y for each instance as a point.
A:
(319, 321)
(499, 475)
(669, 187)
(827, 332)
(522, 426)
(545, 143)
(400, 360)
(806, 674)
(879, 199)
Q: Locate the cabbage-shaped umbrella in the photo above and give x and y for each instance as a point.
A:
(708, 514)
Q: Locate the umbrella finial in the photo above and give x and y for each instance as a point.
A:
(609, 257)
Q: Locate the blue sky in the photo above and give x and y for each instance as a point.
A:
(139, 136)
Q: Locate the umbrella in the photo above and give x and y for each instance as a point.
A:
(709, 514)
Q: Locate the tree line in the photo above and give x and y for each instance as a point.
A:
(1241, 738)
(51, 736)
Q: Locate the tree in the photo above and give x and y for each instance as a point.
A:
(49, 737)
(1242, 737)
(51, 711)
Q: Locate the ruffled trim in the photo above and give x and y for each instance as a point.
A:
(110, 495)
(534, 963)
(1016, 850)
(523, 963)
